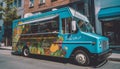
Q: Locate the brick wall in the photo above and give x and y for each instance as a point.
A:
(48, 5)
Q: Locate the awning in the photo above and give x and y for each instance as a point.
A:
(40, 19)
(111, 13)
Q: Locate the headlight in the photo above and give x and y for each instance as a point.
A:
(104, 45)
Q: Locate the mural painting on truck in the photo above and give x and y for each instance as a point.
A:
(38, 44)
(48, 44)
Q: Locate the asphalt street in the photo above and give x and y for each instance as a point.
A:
(8, 61)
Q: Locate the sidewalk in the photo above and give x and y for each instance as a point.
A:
(5, 47)
(115, 56)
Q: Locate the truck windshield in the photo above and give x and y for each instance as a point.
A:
(85, 26)
(82, 21)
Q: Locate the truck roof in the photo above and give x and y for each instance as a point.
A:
(62, 13)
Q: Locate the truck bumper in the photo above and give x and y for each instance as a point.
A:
(102, 56)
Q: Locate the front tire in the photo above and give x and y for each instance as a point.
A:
(81, 58)
(26, 52)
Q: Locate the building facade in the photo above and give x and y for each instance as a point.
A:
(41, 6)
(107, 19)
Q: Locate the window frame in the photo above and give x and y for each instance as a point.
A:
(16, 3)
(1, 4)
(1, 16)
(85, 24)
(42, 2)
(19, 4)
(0, 28)
(65, 29)
(53, 0)
(31, 3)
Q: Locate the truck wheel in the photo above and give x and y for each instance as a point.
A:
(25, 52)
(81, 58)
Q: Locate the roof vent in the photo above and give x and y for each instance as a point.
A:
(54, 9)
(28, 15)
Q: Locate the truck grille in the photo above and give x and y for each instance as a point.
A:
(104, 45)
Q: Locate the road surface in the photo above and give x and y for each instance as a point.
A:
(8, 61)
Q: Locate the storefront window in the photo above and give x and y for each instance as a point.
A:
(111, 30)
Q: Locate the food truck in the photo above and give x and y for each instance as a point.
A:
(62, 33)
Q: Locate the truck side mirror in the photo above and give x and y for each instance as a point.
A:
(73, 25)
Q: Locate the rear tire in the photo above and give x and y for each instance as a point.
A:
(26, 52)
(81, 58)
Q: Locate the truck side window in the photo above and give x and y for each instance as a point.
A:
(66, 25)
(82, 26)
(42, 27)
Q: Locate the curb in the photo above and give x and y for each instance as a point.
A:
(4, 49)
(114, 59)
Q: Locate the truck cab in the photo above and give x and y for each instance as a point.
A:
(81, 40)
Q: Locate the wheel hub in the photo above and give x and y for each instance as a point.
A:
(81, 58)
(26, 52)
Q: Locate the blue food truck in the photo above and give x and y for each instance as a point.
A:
(60, 33)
